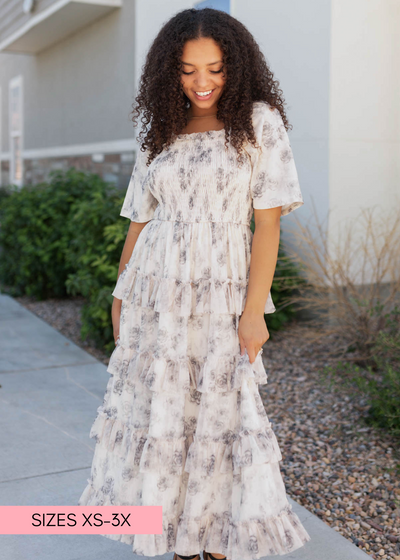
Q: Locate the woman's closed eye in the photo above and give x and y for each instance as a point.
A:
(212, 72)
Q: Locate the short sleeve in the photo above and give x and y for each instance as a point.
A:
(139, 204)
(274, 180)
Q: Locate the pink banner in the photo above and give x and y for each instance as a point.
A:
(80, 520)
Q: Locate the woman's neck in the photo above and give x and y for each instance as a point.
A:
(196, 113)
(202, 121)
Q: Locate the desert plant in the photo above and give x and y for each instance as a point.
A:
(353, 279)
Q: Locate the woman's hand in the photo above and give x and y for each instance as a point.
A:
(116, 316)
(253, 333)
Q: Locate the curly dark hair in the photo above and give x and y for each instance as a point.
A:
(162, 100)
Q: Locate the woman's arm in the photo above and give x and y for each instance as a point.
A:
(133, 233)
(131, 237)
(253, 332)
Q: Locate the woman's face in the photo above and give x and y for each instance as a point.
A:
(202, 73)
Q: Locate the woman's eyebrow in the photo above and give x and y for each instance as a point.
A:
(210, 64)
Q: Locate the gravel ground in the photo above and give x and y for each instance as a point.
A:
(333, 464)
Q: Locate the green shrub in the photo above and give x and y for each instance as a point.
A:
(35, 233)
(98, 238)
(379, 381)
(64, 238)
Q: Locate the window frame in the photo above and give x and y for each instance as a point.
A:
(209, 4)
(16, 82)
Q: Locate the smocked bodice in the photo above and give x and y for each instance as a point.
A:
(197, 179)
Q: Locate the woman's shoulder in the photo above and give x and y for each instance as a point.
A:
(262, 110)
(264, 117)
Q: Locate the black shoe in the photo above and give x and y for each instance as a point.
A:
(177, 557)
(209, 556)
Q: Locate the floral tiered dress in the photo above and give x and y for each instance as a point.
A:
(182, 424)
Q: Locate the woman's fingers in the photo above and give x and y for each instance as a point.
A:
(252, 348)
(253, 334)
(253, 353)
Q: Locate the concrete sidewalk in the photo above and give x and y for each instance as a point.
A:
(50, 390)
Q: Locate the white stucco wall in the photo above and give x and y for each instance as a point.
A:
(364, 113)
(150, 15)
(295, 39)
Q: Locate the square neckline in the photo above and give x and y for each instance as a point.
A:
(208, 132)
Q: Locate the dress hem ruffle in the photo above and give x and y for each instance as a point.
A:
(273, 535)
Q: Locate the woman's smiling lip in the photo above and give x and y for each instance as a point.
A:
(204, 97)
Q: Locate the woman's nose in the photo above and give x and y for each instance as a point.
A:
(202, 81)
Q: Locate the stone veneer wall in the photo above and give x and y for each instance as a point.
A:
(4, 172)
(113, 168)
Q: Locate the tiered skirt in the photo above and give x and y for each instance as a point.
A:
(182, 424)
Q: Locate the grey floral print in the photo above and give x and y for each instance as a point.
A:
(182, 423)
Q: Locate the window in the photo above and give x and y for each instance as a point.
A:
(223, 5)
(15, 127)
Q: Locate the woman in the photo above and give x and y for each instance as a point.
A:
(182, 423)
